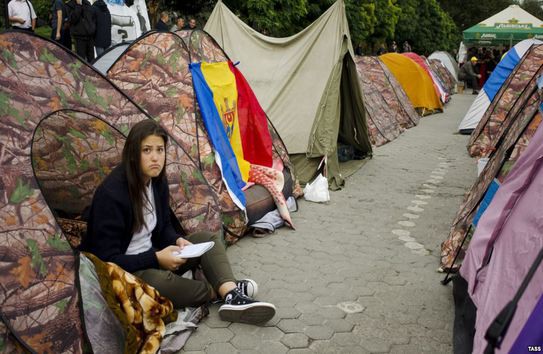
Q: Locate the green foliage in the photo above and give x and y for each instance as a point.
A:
(426, 26)
(469, 13)
(387, 13)
(423, 23)
(43, 31)
(361, 18)
(533, 7)
(277, 18)
(43, 10)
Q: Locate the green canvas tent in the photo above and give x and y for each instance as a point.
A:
(507, 27)
(307, 84)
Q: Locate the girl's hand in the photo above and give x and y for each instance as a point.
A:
(181, 242)
(167, 260)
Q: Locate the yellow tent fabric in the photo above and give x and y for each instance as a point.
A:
(417, 84)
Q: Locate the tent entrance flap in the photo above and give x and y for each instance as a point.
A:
(353, 129)
(352, 133)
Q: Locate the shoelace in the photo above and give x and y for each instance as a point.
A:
(242, 286)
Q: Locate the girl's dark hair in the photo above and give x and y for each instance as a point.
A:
(132, 164)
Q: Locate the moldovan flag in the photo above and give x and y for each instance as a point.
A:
(235, 123)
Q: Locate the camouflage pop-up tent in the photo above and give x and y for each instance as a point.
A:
(306, 83)
(509, 100)
(388, 110)
(523, 119)
(493, 84)
(154, 71)
(447, 60)
(108, 57)
(443, 74)
(62, 128)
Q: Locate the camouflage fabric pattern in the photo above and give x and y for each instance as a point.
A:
(408, 117)
(203, 48)
(185, 36)
(437, 76)
(511, 98)
(446, 78)
(382, 125)
(154, 72)
(40, 302)
(80, 148)
(499, 165)
(8, 343)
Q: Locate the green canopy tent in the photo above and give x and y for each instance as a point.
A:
(507, 27)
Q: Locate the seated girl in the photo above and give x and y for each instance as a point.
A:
(129, 224)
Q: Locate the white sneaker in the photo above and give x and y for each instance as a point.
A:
(248, 287)
(238, 307)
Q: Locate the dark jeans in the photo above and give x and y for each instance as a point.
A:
(472, 81)
(84, 47)
(65, 38)
(185, 292)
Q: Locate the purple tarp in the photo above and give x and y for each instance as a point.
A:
(511, 231)
(531, 335)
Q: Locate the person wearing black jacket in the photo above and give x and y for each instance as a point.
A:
(60, 30)
(162, 23)
(82, 27)
(102, 37)
(130, 224)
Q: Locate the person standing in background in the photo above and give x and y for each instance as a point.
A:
(468, 74)
(406, 47)
(162, 24)
(82, 27)
(102, 37)
(21, 15)
(382, 50)
(394, 47)
(192, 24)
(60, 28)
(179, 24)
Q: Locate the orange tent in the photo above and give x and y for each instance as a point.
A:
(416, 82)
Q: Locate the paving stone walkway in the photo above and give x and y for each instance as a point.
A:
(359, 273)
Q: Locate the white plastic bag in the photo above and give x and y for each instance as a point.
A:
(317, 191)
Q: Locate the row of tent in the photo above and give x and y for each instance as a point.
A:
(308, 85)
(63, 126)
(497, 233)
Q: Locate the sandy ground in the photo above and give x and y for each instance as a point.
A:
(359, 273)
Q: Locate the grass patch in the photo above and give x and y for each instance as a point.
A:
(43, 31)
